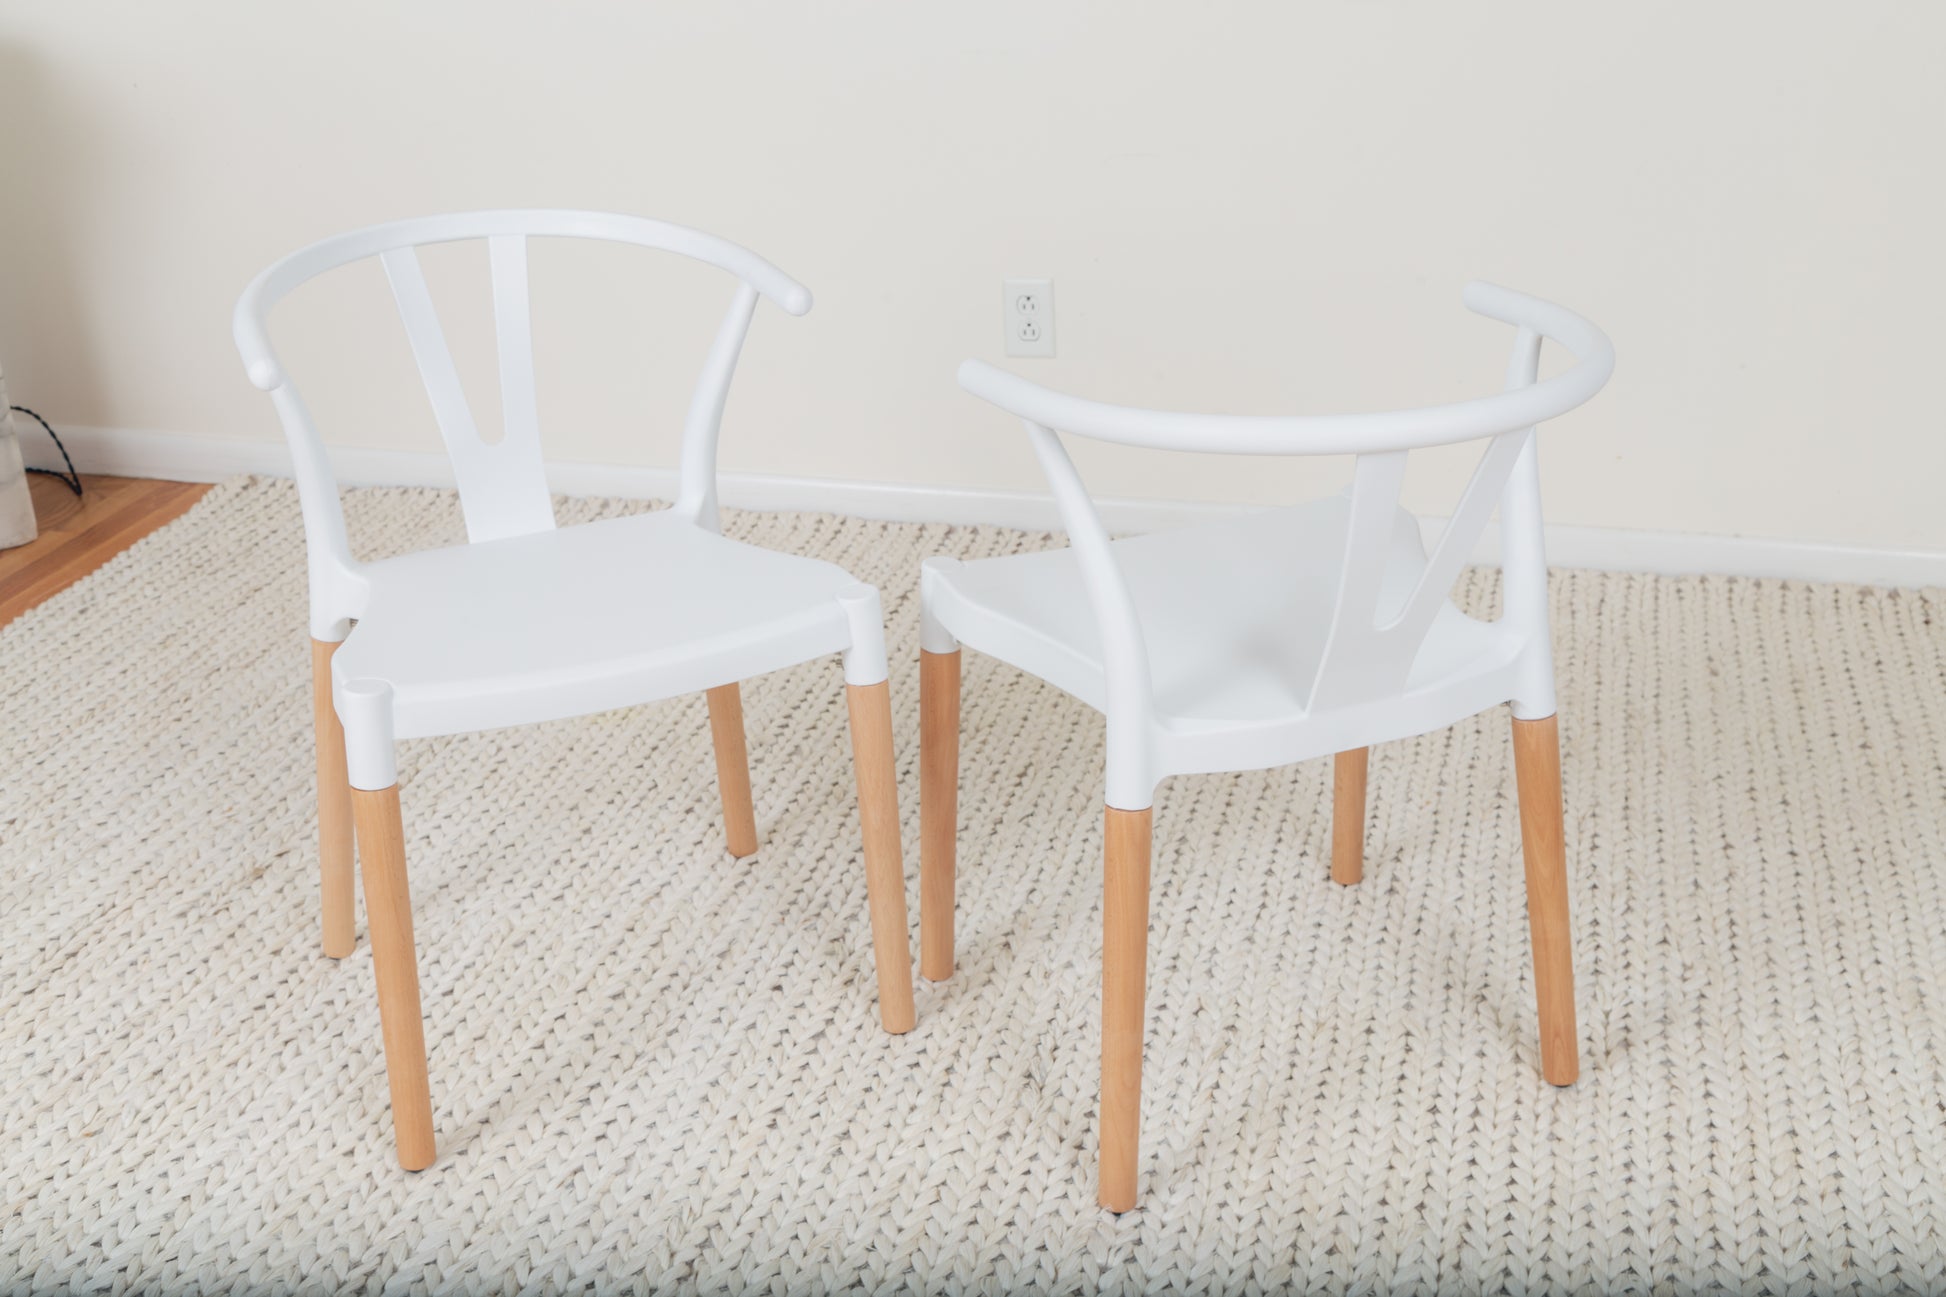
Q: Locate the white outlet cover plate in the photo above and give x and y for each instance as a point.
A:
(1027, 317)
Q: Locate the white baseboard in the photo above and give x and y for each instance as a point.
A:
(196, 457)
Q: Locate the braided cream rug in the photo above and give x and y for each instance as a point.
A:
(657, 1069)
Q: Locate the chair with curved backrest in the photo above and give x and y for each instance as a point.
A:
(1280, 636)
(527, 622)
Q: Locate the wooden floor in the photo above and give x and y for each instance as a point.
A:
(79, 535)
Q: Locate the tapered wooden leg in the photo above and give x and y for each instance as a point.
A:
(1124, 980)
(334, 809)
(388, 911)
(1537, 771)
(1348, 816)
(938, 809)
(878, 814)
(733, 769)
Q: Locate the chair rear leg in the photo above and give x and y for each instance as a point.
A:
(395, 961)
(733, 769)
(1543, 840)
(1348, 816)
(1124, 982)
(335, 885)
(939, 689)
(878, 814)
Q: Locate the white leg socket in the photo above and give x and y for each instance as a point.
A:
(865, 659)
(365, 709)
(933, 635)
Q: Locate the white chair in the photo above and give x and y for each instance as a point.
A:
(529, 623)
(1280, 636)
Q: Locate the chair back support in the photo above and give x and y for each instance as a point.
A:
(502, 485)
(1373, 639)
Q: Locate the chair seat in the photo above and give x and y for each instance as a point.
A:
(581, 619)
(1234, 614)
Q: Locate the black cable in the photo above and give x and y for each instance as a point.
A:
(70, 478)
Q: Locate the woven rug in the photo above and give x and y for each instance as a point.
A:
(657, 1069)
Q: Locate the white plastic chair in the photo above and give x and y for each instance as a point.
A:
(1280, 636)
(530, 623)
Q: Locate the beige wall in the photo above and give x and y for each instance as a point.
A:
(1244, 207)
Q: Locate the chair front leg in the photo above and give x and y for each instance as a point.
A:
(335, 885)
(1543, 841)
(733, 769)
(1124, 983)
(878, 813)
(939, 689)
(395, 961)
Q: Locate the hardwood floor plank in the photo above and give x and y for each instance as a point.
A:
(61, 515)
(78, 536)
(59, 548)
(64, 546)
(66, 557)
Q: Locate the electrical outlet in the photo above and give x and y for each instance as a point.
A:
(1027, 317)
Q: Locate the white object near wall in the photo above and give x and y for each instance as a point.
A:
(17, 525)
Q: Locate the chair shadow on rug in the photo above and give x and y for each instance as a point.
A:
(528, 622)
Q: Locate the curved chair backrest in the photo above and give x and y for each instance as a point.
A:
(503, 488)
(1370, 648)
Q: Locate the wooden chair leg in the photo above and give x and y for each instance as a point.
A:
(388, 911)
(878, 814)
(733, 769)
(1537, 772)
(335, 885)
(939, 690)
(1124, 980)
(1348, 816)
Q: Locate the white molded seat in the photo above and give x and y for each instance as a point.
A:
(530, 622)
(1266, 639)
(1226, 655)
(584, 619)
